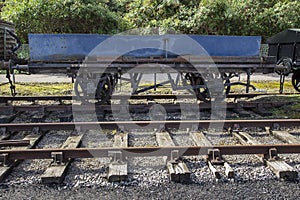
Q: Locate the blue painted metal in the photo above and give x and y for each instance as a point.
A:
(74, 47)
(229, 45)
(62, 47)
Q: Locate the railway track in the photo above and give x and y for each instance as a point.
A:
(119, 148)
(6, 99)
(181, 150)
(146, 110)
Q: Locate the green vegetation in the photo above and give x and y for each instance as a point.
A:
(220, 17)
(289, 110)
(57, 89)
(61, 16)
(39, 89)
(265, 86)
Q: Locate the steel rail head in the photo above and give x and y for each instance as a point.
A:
(151, 124)
(7, 143)
(16, 154)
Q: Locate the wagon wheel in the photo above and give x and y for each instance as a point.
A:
(287, 63)
(79, 90)
(104, 90)
(202, 93)
(82, 88)
(296, 80)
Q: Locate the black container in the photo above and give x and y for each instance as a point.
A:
(286, 44)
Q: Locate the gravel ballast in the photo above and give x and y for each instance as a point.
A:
(148, 177)
(266, 189)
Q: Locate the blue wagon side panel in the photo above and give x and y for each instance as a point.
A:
(74, 47)
(62, 47)
(229, 45)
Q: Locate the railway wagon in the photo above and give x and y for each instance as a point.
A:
(9, 43)
(285, 46)
(191, 57)
(97, 62)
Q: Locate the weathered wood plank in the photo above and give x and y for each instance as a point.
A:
(117, 170)
(244, 138)
(228, 170)
(178, 170)
(164, 139)
(34, 139)
(286, 137)
(55, 173)
(214, 171)
(283, 170)
(121, 140)
(201, 140)
(280, 168)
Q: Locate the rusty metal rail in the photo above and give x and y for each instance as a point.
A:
(235, 124)
(140, 96)
(136, 107)
(7, 143)
(149, 151)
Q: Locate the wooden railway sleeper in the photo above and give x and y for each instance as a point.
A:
(117, 157)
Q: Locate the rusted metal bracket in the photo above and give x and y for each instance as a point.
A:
(117, 157)
(214, 156)
(4, 159)
(273, 154)
(57, 158)
(174, 156)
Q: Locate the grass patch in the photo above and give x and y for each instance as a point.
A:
(60, 89)
(289, 110)
(265, 86)
(42, 89)
(38, 89)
